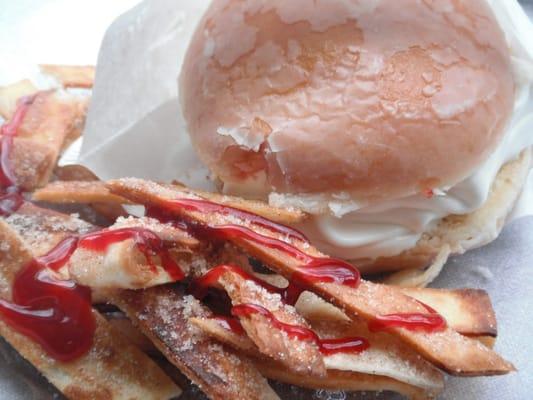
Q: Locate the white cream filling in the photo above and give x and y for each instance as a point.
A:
(349, 230)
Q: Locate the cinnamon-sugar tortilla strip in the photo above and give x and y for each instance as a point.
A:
(162, 314)
(51, 118)
(75, 172)
(467, 311)
(300, 356)
(134, 336)
(71, 76)
(287, 215)
(48, 124)
(32, 163)
(343, 380)
(105, 371)
(10, 94)
(398, 365)
(80, 192)
(41, 229)
(120, 265)
(447, 349)
(123, 266)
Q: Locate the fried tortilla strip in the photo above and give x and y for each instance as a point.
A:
(103, 372)
(467, 311)
(121, 265)
(81, 192)
(447, 349)
(122, 324)
(41, 229)
(76, 192)
(286, 215)
(71, 76)
(343, 380)
(9, 96)
(162, 314)
(108, 209)
(385, 358)
(300, 356)
(51, 121)
(52, 117)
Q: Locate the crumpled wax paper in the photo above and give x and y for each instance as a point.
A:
(135, 128)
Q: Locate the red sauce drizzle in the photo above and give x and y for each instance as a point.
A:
(145, 240)
(205, 206)
(431, 322)
(10, 197)
(326, 346)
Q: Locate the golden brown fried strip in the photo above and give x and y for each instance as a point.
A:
(103, 372)
(122, 324)
(386, 356)
(122, 265)
(51, 227)
(71, 76)
(343, 380)
(385, 359)
(447, 349)
(9, 96)
(32, 163)
(51, 118)
(51, 121)
(286, 215)
(77, 192)
(41, 229)
(300, 356)
(467, 311)
(162, 314)
(108, 209)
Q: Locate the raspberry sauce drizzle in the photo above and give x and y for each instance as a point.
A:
(10, 195)
(326, 346)
(430, 322)
(146, 241)
(206, 206)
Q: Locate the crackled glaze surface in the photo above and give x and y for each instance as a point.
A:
(307, 97)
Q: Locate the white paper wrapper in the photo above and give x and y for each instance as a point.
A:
(134, 126)
(135, 129)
